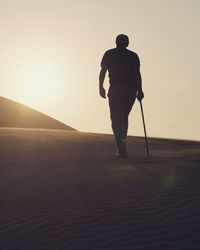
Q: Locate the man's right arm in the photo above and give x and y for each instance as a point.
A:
(102, 75)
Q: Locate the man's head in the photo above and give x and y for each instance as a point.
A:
(122, 41)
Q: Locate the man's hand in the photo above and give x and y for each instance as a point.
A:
(102, 92)
(140, 95)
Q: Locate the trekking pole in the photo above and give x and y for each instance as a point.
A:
(145, 133)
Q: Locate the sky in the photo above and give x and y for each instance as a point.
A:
(50, 53)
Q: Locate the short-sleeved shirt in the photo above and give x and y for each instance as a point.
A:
(123, 66)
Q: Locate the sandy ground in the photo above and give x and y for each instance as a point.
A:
(68, 190)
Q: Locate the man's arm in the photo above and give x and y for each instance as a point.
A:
(102, 74)
(140, 94)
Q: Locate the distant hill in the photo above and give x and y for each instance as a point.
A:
(14, 114)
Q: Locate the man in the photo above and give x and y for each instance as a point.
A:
(123, 67)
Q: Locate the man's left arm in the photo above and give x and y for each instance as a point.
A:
(140, 93)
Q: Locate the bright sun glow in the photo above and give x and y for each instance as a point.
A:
(38, 83)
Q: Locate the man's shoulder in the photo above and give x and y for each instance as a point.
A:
(116, 51)
(132, 53)
(110, 51)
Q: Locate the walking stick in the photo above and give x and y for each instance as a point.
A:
(145, 133)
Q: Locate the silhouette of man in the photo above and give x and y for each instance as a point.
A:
(123, 67)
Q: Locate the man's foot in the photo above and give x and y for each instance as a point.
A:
(123, 156)
(121, 147)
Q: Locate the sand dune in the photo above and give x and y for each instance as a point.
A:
(14, 114)
(68, 190)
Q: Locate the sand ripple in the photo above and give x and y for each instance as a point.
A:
(51, 199)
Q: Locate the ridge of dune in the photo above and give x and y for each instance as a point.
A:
(14, 114)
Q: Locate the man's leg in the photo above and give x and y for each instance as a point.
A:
(117, 119)
(128, 104)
